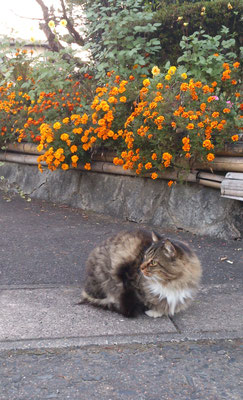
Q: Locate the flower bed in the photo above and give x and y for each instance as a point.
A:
(170, 121)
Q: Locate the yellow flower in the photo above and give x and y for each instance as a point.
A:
(235, 138)
(57, 125)
(146, 82)
(51, 24)
(167, 77)
(172, 70)
(65, 120)
(123, 99)
(179, 18)
(19, 78)
(40, 147)
(229, 6)
(186, 23)
(74, 159)
(184, 75)
(155, 70)
(63, 22)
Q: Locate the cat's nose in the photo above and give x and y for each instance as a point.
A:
(144, 265)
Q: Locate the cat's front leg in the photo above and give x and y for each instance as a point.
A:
(157, 310)
(154, 313)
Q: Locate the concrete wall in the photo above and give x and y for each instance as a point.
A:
(190, 207)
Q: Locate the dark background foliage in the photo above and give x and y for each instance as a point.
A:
(215, 16)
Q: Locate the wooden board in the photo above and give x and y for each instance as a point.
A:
(232, 186)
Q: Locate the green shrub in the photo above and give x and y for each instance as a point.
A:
(183, 20)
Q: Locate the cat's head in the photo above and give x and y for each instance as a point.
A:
(165, 259)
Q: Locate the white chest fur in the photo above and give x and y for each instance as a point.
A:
(173, 297)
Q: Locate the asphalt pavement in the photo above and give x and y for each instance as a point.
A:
(53, 348)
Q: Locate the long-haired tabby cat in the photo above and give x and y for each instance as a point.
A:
(141, 271)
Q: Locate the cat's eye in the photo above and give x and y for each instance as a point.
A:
(153, 263)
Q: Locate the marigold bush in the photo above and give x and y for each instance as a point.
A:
(170, 121)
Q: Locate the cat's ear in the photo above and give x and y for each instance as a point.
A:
(155, 237)
(169, 249)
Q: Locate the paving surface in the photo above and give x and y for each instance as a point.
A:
(50, 347)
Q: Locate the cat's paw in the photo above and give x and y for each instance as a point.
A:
(153, 313)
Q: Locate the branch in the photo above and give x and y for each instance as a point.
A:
(78, 39)
(54, 44)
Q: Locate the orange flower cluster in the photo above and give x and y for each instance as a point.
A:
(150, 127)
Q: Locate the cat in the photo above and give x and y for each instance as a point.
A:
(141, 271)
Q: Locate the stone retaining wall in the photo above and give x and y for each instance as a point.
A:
(191, 207)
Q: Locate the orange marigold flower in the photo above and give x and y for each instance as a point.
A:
(65, 166)
(234, 82)
(205, 89)
(173, 124)
(198, 84)
(237, 94)
(154, 156)
(73, 148)
(220, 127)
(190, 126)
(148, 165)
(226, 110)
(210, 157)
(188, 155)
(214, 84)
(185, 140)
(74, 159)
(19, 78)
(87, 166)
(235, 138)
(236, 64)
(123, 99)
(101, 122)
(170, 183)
(207, 143)
(215, 114)
(154, 175)
(112, 99)
(159, 85)
(225, 65)
(184, 87)
(64, 137)
(131, 77)
(216, 54)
